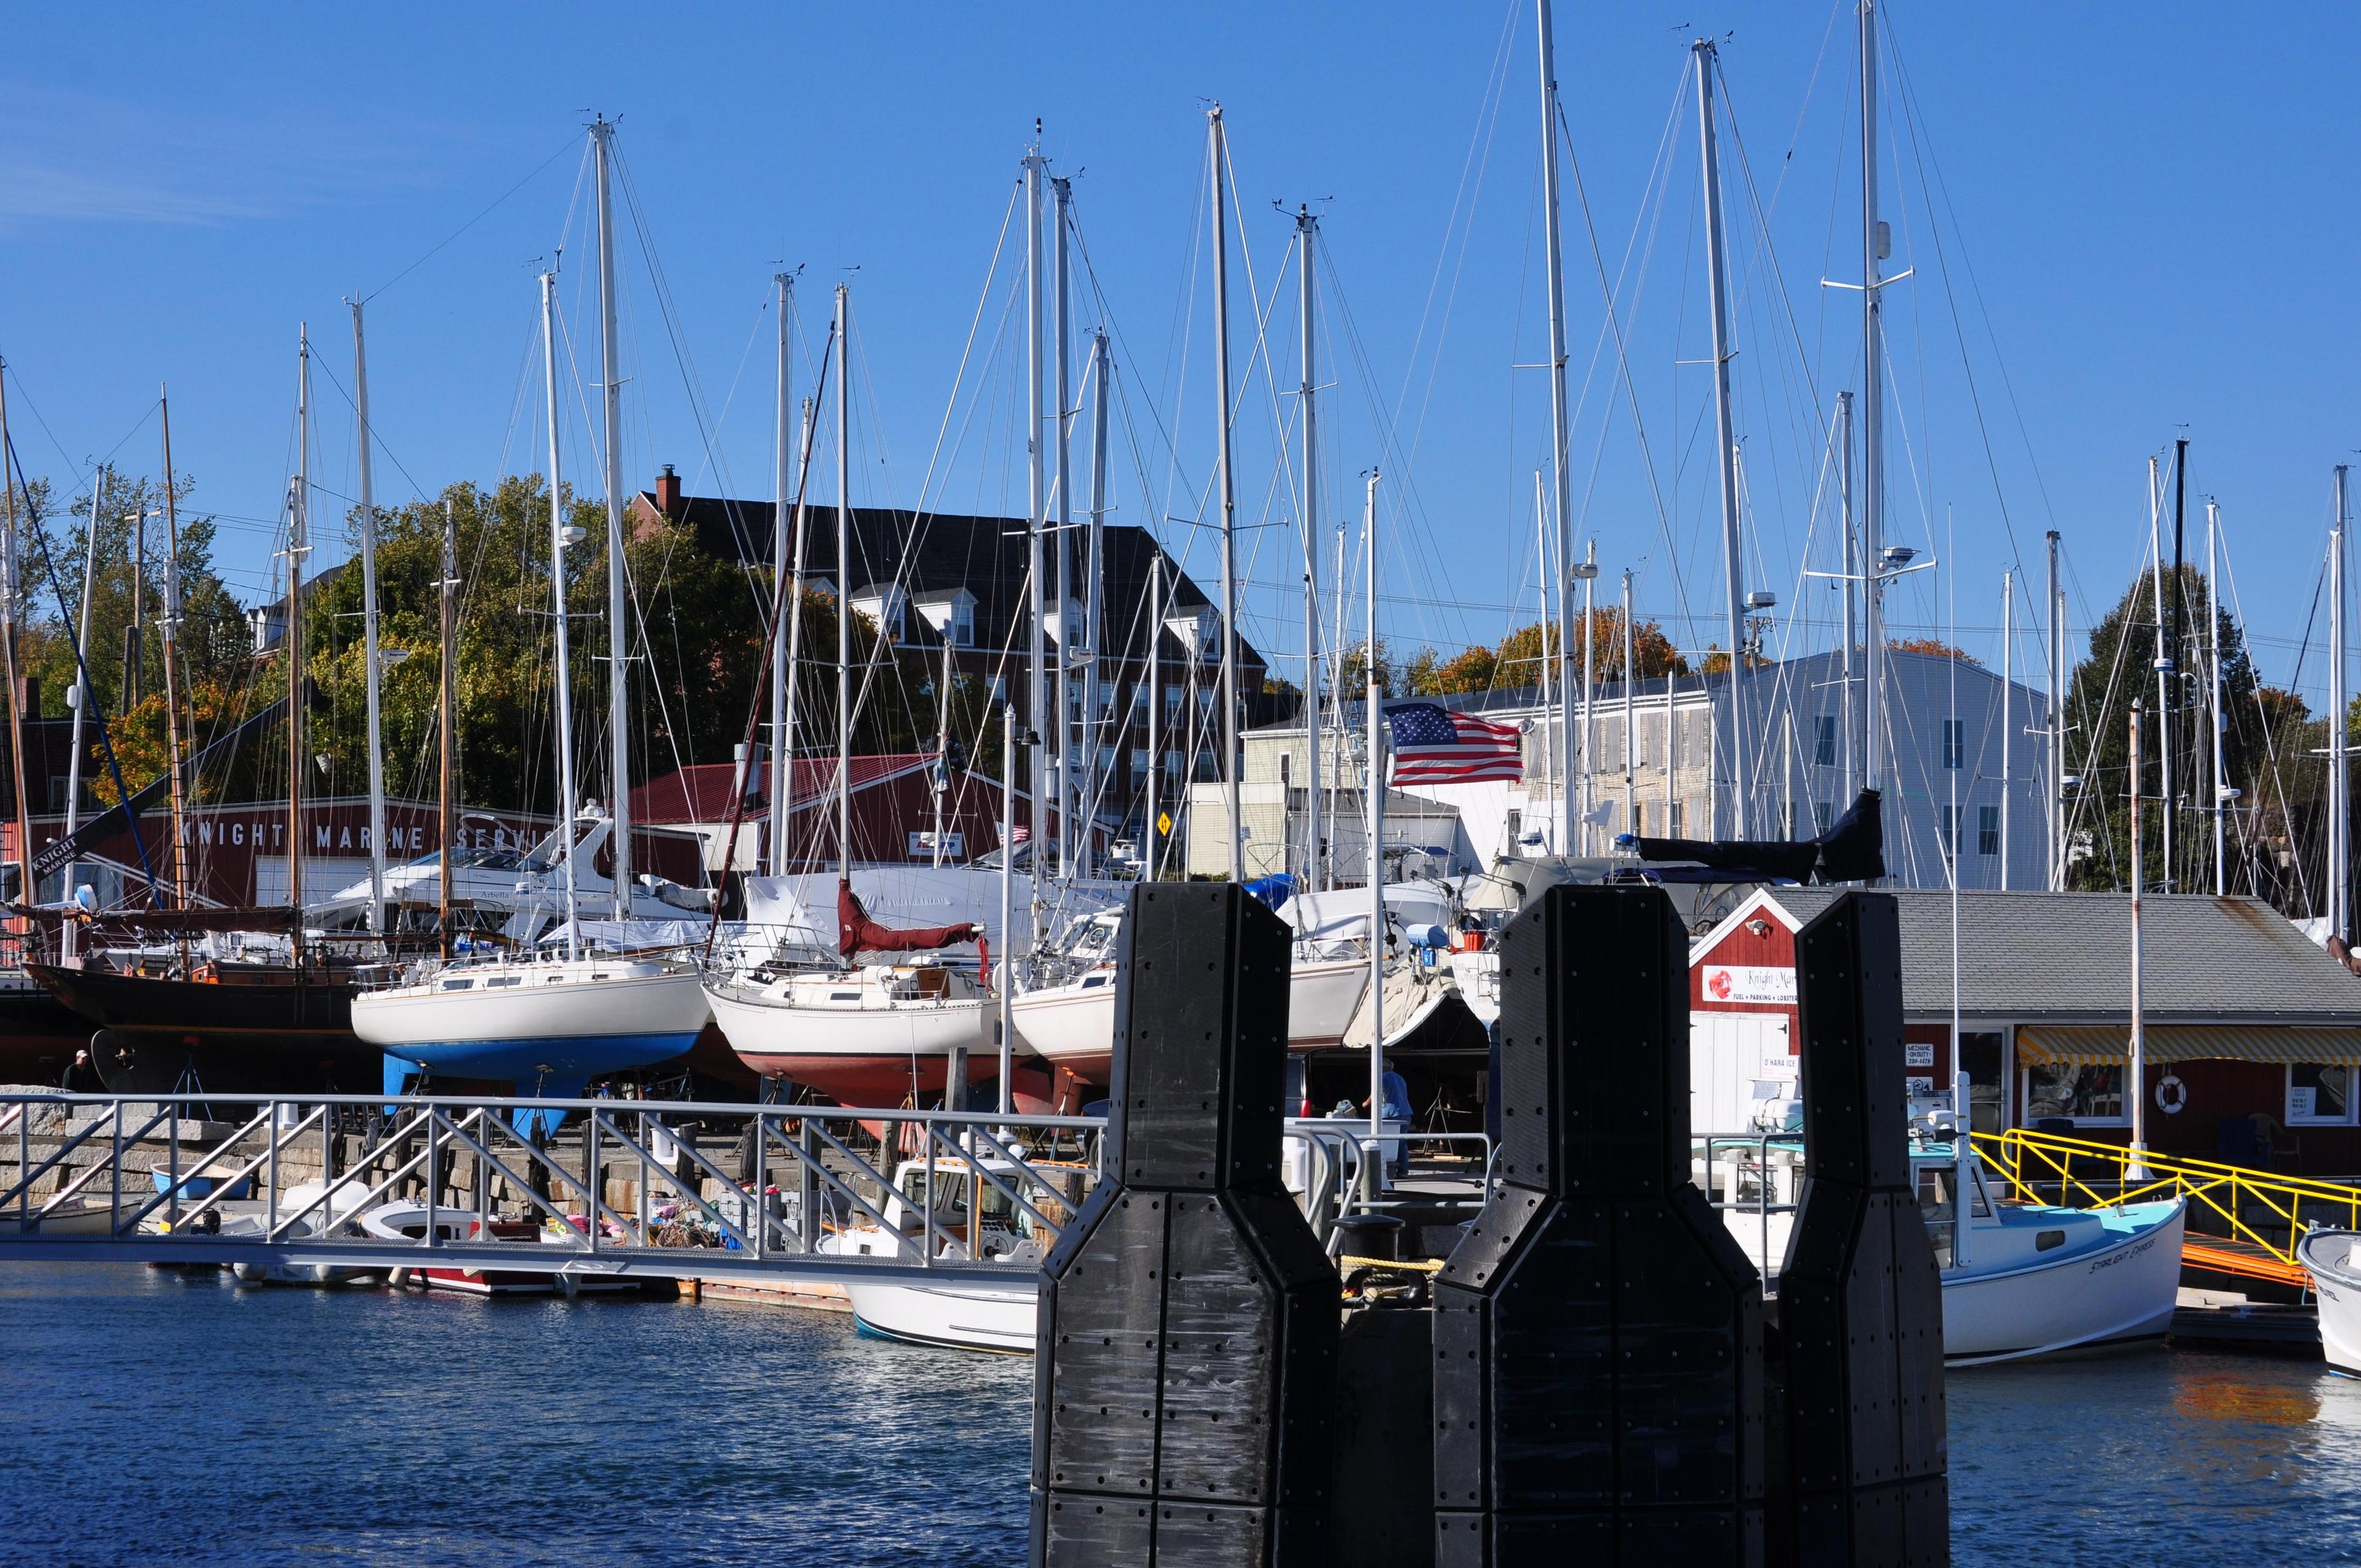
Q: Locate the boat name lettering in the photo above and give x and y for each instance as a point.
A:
(2124, 1256)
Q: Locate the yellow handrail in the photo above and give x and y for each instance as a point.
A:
(2030, 1161)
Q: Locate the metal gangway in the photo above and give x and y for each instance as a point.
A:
(623, 1190)
(2240, 1222)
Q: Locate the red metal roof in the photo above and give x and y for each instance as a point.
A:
(701, 793)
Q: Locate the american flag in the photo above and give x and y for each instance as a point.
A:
(1433, 745)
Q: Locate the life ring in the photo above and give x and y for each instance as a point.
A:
(2171, 1095)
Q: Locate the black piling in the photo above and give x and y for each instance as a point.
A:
(1597, 1334)
(1186, 1375)
(1859, 1379)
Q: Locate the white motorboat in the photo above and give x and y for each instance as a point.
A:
(307, 1208)
(548, 1025)
(2333, 1258)
(1071, 1022)
(874, 1035)
(406, 1220)
(2032, 1280)
(985, 1315)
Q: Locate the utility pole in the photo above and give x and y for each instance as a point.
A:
(375, 673)
(1554, 254)
(1733, 561)
(1307, 229)
(1218, 148)
(619, 602)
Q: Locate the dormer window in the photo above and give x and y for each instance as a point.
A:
(886, 604)
(952, 616)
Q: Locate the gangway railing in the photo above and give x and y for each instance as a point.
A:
(2048, 1167)
(624, 1188)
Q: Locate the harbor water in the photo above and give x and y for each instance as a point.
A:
(160, 1418)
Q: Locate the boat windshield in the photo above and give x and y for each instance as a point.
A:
(478, 860)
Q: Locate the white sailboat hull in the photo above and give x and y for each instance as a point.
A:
(563, 1022)
(859, 1055)
(1073, 1025)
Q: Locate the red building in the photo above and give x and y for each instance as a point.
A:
(2252, 1033)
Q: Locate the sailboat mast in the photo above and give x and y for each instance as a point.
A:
(1631, 719)
(1155, 677)
(782, 544)
(784, 784)
(619, 638)
(2055, 781)
(1872, 419)
(368, 629)
(448, 644)
(1550, 780)
(564, 679)
(26, 892)
(298, 545)
(171, 628)
(1070, 853)
(1036, 699)
(1732, 544)
(1094, 587)
(1218, 172)
(1850, 583)
(2340, 752)
(2163, 666)
(1374, 789)
(844, 584)
(82, 694)
(2008, 719)
(2213, 706)
(1560, 436)
(1314, 862)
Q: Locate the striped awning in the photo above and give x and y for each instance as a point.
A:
(2043, 1045)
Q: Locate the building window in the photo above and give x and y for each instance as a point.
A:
(2090, 1094)
(1824, 813)
(1947, 829)
(1988, 831)
(1672, 819)
(1955, 744)
(1824, 740)
(1980, 1056)
(1171, 703)
(1138, 762)
(2319, 1094)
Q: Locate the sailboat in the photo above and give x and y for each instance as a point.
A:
(551, 1022)
(863, 1033)
(234, 1027)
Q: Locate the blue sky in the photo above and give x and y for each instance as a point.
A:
(2141, 233)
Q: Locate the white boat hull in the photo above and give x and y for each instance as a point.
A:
(563, 1023)
(1073, 1025)
(2122, 1293)
(2334, 1260)
(2116, 1293)
(989, 1317)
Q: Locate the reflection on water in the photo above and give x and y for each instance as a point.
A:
(148, 1416)
(151, 1417)
(2156, 1456)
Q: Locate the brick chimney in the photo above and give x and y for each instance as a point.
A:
(668, 493)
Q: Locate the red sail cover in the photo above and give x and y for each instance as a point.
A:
(856, 933)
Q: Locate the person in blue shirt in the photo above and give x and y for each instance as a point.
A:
(1397, 1109)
